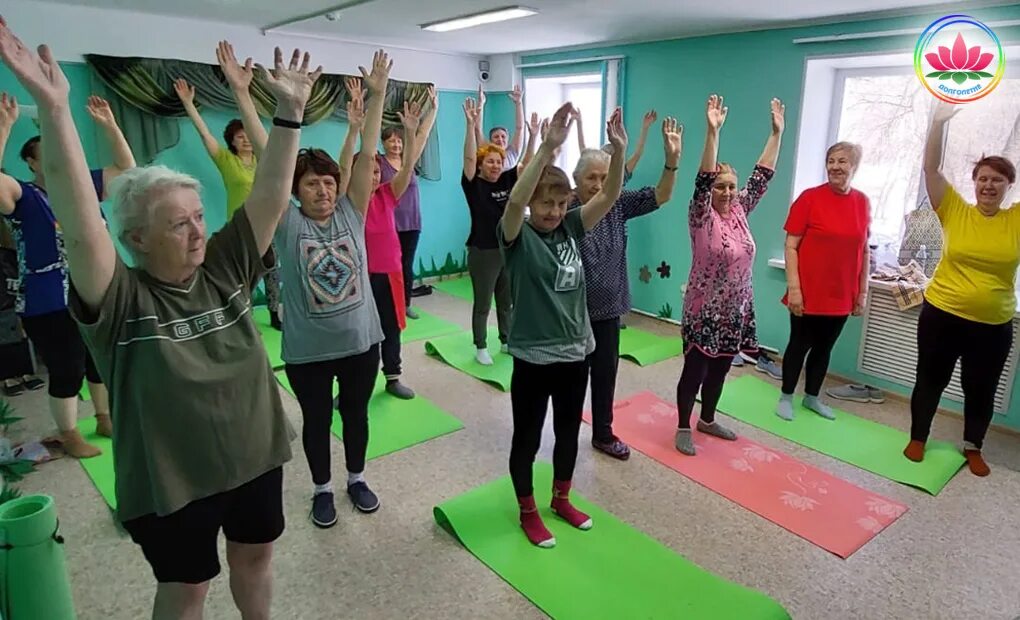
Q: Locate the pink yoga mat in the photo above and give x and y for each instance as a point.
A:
(835, 515)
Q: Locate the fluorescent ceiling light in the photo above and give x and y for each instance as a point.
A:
(488, 17)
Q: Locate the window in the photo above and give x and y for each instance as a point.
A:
(544, 95)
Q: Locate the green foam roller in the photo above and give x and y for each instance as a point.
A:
(33, 578)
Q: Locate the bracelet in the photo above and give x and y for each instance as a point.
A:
(672, 169)
(279, 122)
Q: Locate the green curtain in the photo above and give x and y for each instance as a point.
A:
(147, 106)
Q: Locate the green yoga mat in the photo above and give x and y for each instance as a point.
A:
(458, 350)
(644, 348)
(395, 424)
(33, 576)
(99, 468)
(271, 338)
(84, 393)
(427, 326)
(869, 445)
(610, 571)
(458, 287)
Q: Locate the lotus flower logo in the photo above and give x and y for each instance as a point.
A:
(959, 59)
(959, 64)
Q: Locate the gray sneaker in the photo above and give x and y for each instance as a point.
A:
(857, 393)
(737, 361)
(769, 367)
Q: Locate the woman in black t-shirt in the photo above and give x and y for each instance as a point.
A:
(487, 188)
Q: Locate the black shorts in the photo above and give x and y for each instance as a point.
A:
(181, 547)
(58, 342)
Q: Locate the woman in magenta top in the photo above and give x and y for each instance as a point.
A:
(826, 274)
(382, 242)
(718, 313)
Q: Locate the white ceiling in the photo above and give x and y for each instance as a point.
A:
(560, 23)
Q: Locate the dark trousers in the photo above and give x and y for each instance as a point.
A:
(604, 363)
(313, 386)
(942, 339)
(408, 246)
(812, 336)
(531, 388)
(388, 318)
(488, 277)
(705, 374)
(59, 343)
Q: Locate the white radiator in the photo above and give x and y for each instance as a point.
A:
(889, 348)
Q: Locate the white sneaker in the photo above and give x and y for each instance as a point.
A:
(483, 357)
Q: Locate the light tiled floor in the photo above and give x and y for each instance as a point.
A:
(952, 556)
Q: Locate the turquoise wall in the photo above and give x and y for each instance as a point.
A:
(748, 69)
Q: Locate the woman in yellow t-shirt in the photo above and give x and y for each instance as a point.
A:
(970, 302)
(236, 164)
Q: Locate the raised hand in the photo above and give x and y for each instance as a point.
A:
(99, 110)
(471, 111)
(356, 106)
(672, 139)
(778, 113)
(376, 80)
(8, 110)
(481, 97)
(616, 132)
(534, 125)
(716, 112)
(185, 92)
(575, 114)
(410, 118)
(650, 117)
(433, 97)
(38, 73)
(239, 77)
(544, 128)
(516, 95)
(558, 130)
(945, 111)
(293, 83)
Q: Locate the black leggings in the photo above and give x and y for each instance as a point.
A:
(605, 363)
(388, 319)
(942, 339)
(530, 389)
(704, 373)
(408, 247)
(313, 386)
(58, 342)
(811, 336)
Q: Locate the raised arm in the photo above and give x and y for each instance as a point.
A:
(410, 118)
(575, 118)
(10, 191)
(123, 158)
(771, 152)
(471, 116)
(672, 144)
(534, 129)
(517, 139)
(554, 137)
(480, 121)
(646, 123)
(360, 189)
(90, 253)
(355, 123)
(270, 193)
(595, 209)
(935, 182)
(794, 298)
(186, 93)
(421, 136)
(715, 114)
(239, 78)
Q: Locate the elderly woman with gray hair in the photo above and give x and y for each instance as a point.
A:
(199, 432)
(604, 255)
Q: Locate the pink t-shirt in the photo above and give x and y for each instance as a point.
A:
(381, 241)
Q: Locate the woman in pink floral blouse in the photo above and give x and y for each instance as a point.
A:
(718, 312)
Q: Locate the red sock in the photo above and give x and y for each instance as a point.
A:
(976, 462)
(561, 505)
(914, 451)
(532, 524)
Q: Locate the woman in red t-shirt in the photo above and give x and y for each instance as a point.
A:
(826, 274)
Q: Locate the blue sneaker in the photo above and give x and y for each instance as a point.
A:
(767, 366)
(737, 361)
(362, 497)
(323, 510)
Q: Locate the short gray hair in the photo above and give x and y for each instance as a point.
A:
(135, 194)
(589, 156)
(852, 149)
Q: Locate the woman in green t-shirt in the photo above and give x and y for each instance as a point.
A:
(550, 333)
